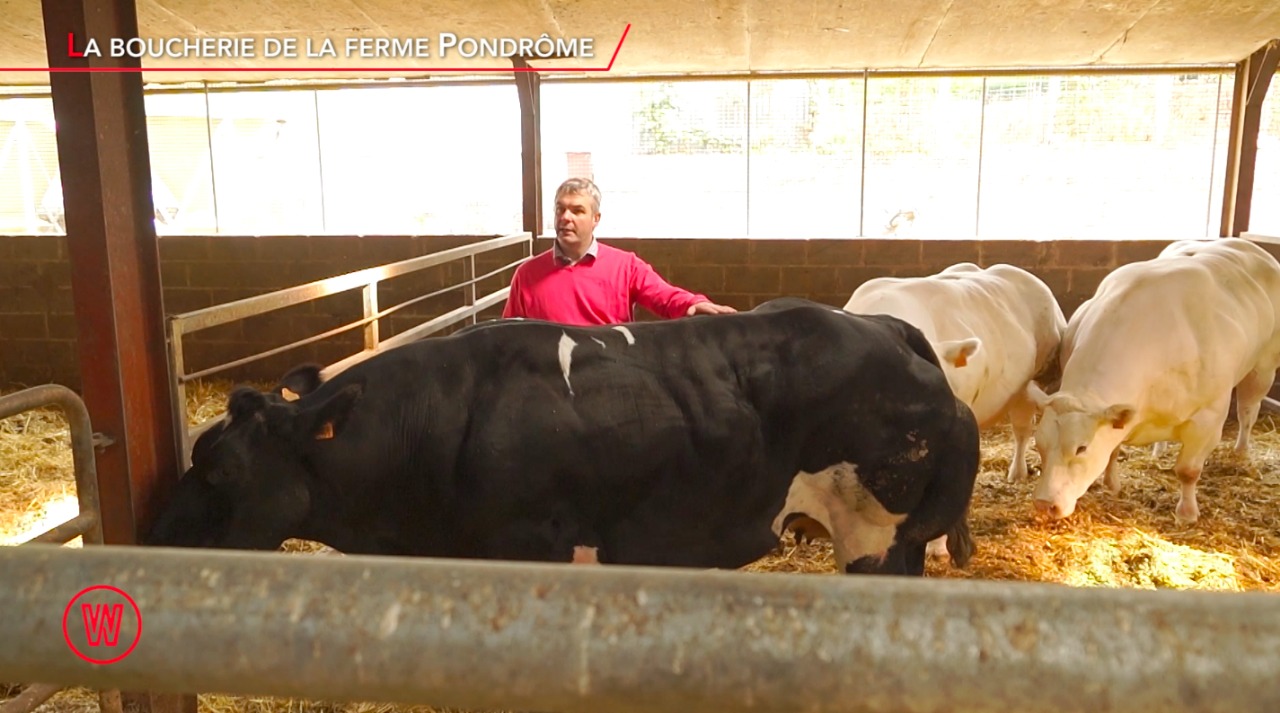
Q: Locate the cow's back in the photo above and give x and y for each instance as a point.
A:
(675, 442)
(1014, 314)
(1202, 314)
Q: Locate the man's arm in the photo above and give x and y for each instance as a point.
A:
(655, 294)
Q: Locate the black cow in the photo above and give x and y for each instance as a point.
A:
(662, 443)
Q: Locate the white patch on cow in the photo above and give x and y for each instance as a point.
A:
(566, 358)
(859, 525)
(600, 342)
(631, 338)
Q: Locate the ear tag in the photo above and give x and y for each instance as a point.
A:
(288, 394)
(325, 432)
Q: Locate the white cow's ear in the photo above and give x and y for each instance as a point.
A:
(957, 351)
(1119, 416)
(1037, 395)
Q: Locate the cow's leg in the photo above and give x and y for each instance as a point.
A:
(1249, 395)
(1198, 436)
(913, 559)
(1022, 416)
(1111, 477)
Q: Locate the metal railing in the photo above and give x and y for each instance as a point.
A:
(86, 524)
(567, 638)
(367, 281)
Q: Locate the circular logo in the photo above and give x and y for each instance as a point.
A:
(102, 624)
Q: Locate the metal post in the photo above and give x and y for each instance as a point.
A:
(115, 261)
(529, 91)
(178, 394)
(369, 293)
(1253, 77)
(566, 638)
(471, 286)
(115, 275)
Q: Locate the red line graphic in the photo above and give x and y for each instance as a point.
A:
(425, 70)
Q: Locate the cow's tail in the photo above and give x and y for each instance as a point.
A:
(958, 475)
(960, 542)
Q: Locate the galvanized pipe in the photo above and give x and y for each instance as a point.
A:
(599, 638)
(67, 531)
(82, 457)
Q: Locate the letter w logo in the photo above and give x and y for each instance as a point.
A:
(102, 622)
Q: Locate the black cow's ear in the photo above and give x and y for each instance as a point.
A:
(326, 420)
(244, 402)
(299, 382)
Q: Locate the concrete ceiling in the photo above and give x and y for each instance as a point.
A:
(671, 36)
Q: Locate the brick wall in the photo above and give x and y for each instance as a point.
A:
(38, 331)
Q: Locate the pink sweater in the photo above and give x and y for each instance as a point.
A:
(599, 289)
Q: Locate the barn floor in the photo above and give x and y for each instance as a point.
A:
(1129, 540)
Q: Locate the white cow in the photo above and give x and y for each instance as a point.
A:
(994, 330)
(1153, 356)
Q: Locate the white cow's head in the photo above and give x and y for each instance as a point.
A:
(1075, 441)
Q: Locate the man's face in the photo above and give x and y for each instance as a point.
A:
(576, 220)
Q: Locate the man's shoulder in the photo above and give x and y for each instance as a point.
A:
(541, 262)
(616, 254)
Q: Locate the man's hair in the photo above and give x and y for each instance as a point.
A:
(580, 186)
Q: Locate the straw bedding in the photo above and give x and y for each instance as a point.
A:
(1129, 540)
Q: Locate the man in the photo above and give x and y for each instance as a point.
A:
(579, 281)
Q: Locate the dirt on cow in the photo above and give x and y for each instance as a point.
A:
(1126, 540)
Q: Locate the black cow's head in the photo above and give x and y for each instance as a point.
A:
(249, 485)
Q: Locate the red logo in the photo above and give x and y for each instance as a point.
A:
(99, 627)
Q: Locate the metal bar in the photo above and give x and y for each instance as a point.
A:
(30, 698)
(413, 334)
(115, 262)
(562, 78)
(221, 314)
(511, 636)
(82, 456)
(761, 75)
(67, 531)
(982, 135)
(363, 321)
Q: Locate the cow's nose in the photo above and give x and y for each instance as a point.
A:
(1048, 507)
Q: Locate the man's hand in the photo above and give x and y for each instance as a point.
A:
(709, 308)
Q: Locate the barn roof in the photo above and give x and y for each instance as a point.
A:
(669, 36)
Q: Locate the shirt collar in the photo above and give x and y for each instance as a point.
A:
(563, 259)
